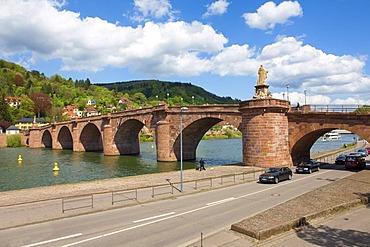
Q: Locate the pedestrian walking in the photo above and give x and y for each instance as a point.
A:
(201, 165)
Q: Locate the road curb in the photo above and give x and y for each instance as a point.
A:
(302, 221)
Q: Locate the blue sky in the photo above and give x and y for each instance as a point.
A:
(321, 46)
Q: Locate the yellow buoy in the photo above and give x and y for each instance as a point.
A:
(19, 158)
(56, 168)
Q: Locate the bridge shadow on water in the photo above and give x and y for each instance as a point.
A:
(328, 236)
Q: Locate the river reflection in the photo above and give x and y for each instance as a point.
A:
(37, 165)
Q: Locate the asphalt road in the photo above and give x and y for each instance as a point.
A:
(171, 222)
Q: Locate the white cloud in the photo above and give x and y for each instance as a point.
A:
(147, 9)
(270, 14)
(91, 44)
(289, 61)
(36, 30)
(216, 8)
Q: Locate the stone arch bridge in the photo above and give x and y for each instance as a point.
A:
(274, 134)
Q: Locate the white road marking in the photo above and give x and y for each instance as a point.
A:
(221, 201)
(187, 212)
(153, 217)
(53, 240)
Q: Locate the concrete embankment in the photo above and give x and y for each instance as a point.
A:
(327, 200)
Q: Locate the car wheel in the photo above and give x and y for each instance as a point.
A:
(276, 180)
(290, 177)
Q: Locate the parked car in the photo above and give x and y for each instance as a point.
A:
(354, 153)
(355, 162)
(275, 175)
(340, 159)
(308, 167)
(362, 152)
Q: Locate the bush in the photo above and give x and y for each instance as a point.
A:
(14, 141)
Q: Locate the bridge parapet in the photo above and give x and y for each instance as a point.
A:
(327, 108)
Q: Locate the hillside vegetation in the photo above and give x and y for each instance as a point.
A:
(158, 90)
(47, 96)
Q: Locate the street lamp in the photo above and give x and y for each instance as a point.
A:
(181, 109)
(287, 91)
(305, 96)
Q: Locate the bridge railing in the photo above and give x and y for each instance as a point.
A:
(328, 108)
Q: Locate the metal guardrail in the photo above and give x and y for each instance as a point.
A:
(87, 200)
(124, 195)
(335, 108)
(77, 202)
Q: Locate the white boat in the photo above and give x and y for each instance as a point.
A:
(339, 131)
(331, 136)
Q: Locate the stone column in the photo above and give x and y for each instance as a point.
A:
(163, 141)
(34, 140)
(56, 144)
(77, 145)
(109, 146)
(265, 133)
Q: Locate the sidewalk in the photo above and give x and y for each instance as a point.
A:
(35, 205)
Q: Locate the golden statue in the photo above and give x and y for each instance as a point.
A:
(262, 75)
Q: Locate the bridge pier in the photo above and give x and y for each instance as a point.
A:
(77, 145)
(56, 144)
(165, 150)
(265, 133)
(108, 144)
(35, 138)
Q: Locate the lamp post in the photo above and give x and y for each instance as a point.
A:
(192, 97)
(181, 109)
(287, 91)
(305, 96)
(168, 97)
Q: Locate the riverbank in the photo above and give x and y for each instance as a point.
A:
(15, 197)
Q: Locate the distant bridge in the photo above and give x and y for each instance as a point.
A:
(274, 134)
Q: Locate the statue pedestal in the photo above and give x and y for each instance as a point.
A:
(262, 92)
(265, 132)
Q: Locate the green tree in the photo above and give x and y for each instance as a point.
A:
(5, 113)
(14, 141)
(26, 108)
(363, 109)
(140, 99)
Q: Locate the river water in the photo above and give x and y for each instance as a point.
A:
(36, 167)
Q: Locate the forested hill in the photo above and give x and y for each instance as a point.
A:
(155, 89)
(48, 97)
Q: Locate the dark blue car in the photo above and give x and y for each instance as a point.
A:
(275, 175)
(308, 167)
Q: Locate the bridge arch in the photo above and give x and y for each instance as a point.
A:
(65, 138)
(91, 138)
(126, 138)
(303, 138)
(191, 136)
(47, 140)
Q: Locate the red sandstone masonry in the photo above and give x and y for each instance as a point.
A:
(266, 141)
